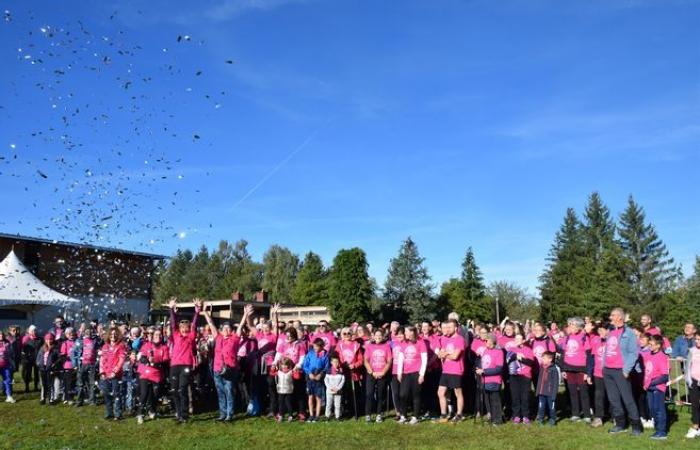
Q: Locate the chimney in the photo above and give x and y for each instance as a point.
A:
(261, 297)
(237, 297)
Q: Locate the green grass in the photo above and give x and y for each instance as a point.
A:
(26, 424)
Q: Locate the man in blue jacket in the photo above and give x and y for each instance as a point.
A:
(620, 356)
(684, 342)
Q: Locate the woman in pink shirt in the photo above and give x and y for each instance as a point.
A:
(182, 357)
(397, 341)
(378, 361)
(112, 358)
(267, 345)
(597, 352)
(351, 361)
(576, 350)
(413, 360)
(68, 373)
(294, 349)
(521, 359)
(225, 365)
(152, 358)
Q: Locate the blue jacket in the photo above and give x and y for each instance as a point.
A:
(315, 363)
(681, 346)
(630, 350)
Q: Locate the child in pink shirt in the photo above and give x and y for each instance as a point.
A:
(655, 378)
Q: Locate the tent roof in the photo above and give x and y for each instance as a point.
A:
(18, 286)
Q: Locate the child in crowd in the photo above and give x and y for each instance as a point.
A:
(47, 359)
(315, 366)
(68, 373)
(692, 379)
(491, 372)
(547, 387)
(656, 372)
(334, 382)
(285, 389)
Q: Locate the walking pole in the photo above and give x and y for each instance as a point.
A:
(389, 396)
(354, 397)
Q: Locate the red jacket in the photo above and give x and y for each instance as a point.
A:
(153, 371)
(351, 358)
(112, 359)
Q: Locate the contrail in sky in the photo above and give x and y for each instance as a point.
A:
(281, 164)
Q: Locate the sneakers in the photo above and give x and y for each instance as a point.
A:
(636, 431)
(9, 399)
(659, 436)
(516, 420)
(597, 422)
(526, 421)
(413, 421)
(368, 419)
(587, 420)
(617, 429)
(302, 417)
(139, 419)
(379, 418)
(152, 415)
(443, 419)
(575, 418)
(648, 424)
(457, 418)
(693, 433)
(290, 419)
(402, 419)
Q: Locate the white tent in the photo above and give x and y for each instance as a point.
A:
(20, 288)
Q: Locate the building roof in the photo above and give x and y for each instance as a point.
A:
(19, 237)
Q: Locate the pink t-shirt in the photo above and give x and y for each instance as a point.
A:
(225, 351)
(396, 351)
(539, 346)
(267, 343)
(412, 355)
(294, 350)
(5, 353)
(327, 337)
(655, 366)
(575, 348)
(450, 345)
(478, 347)
(490, 360)
(524, 370)
(432, 343)
(348, 351)
(89, 351)
(507, 343)
(613, 354)
(377, 355)
(598, 350)
(66, 348)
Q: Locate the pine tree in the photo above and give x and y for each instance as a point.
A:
(280, 271)
(407, 290)
(170, 276)
(350, 288)
(197, 281)
(681, 305)
(651, 270)
(311, 287)
(240, 272)
(562, 285)
(475, 305)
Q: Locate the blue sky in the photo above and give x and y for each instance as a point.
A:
(323, 125)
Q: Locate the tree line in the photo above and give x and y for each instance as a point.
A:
(595, 263)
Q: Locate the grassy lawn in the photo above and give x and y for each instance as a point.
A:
(26, 424)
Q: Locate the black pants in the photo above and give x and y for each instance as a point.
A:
(694, 399)
(86, 383)
(429, 398)
(349, 393)
(300, 394)
(395, 393)
(180, 377)
(520, 395)
(480, 407)
(410, 393)
(599, 396)
(30, 372)
(68, 377)
(271, 392)
(619, 392)
(640, 395)
(493, 402)
(375, 389)
(148, 396)
(46, 377)
(285, 403)
(578, 396)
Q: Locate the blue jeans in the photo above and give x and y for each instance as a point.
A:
(112, 391)
(657, 410)
(129, 390)
(224, 392)
(6, 374)
(545, 403)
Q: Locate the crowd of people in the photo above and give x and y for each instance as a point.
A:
(440, 371)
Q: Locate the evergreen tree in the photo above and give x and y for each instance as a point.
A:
(170, 276)
(681, 305)
(651, 270)
(407, 290)
(240, 272)
(280, 271)
(606, 284)
(197, 281)
(350, 288)
(311, 287)
(562, 285)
